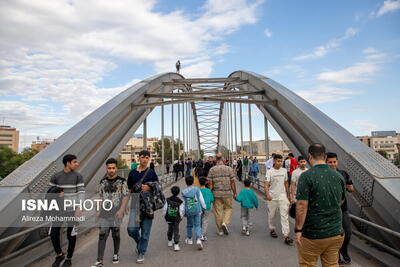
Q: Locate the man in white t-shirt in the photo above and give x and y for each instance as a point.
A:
(277, 193)
(295, 177)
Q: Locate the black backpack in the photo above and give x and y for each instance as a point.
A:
(172, 215)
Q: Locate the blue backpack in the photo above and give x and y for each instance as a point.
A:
(192, 205)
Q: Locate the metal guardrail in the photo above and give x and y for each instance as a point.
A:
(165, 181)
(259, 185)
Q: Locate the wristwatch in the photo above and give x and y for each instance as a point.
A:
(298, 230)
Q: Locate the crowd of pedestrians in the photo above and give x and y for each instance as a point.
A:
(314, 196)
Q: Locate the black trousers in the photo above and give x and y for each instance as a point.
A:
(173, 231)
(239, 175)
(346, 222)
(176, 176)
(55, 239)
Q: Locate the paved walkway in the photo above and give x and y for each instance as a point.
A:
(233, 250)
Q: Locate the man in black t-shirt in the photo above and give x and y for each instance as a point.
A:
(332, 161)
(139, 226)
(114, 189)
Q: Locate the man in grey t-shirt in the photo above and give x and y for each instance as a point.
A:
(72, 184)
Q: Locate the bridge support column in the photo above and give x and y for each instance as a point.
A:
(250, 131)
(173, 137)
(162, 142)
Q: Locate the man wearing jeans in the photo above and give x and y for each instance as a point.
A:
(222, 184)
(139, 225)
(318, 229)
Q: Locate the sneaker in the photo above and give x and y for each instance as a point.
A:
(98, 264)
(347, 260)
(288, 241)
(176, 247)
(58, 260)
(243, 230)
(199, 244)
(203, 238)
(189, 241)
(273, 234)
(247, 233)
(67, 263)
(341, 263)
(225, 229)
(115, 258)
(170, 243)
(140, 259)
(220, 233)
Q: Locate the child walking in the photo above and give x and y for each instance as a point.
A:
(248, 201)
(173, 211)
(208, 199)
(194, 203)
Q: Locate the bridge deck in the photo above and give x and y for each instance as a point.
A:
(234, 250)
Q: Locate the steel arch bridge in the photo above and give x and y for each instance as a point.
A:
(104, 132)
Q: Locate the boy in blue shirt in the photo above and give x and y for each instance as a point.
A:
(208, 199)
(194, 203)
(248, 200)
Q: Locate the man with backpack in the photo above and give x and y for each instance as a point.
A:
(146, 196)
(173, 211)
(194, 204)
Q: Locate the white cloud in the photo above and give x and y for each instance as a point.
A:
(322, 50)
(298, 70)
(59, 51)
(268, 33)
(326, 94)
(369, 50)
(364, 127)
(359, 72)
(388, 7)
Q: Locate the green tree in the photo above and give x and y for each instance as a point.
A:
(383, 153)
(167, 149)
(397, 160)
(9, 160)
(121, 164)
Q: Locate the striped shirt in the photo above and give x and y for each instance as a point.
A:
(71, 183)
(221, 177)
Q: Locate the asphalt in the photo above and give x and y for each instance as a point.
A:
(259, 249)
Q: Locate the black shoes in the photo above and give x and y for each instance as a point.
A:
(58, 260)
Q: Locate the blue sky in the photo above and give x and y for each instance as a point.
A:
(342, 56)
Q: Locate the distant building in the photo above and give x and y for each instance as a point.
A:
(134, 146)
(388, 141)
(383, 133)
(9, 137)
(39, 145)
(275, 146)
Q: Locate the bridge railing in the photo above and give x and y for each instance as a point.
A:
(258, 184)
(165, 181)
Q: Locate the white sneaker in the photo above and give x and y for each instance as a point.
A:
(176, 247)
(199, 244)
(203, 238)
(247, 232)
(220, 233)
(189, 241)
(170, 243)
(243, 230)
